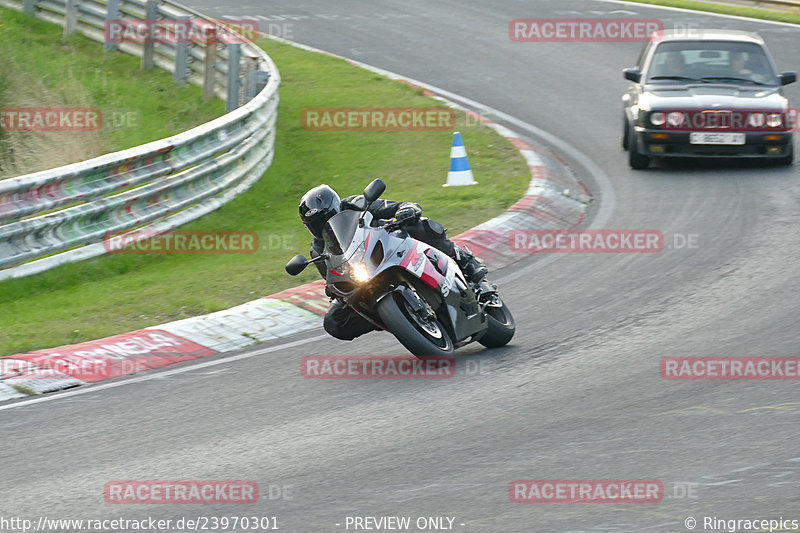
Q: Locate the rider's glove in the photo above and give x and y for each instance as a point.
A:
(405, 216)
(329, 293)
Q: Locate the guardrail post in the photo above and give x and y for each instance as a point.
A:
(252, 78)
(209, 76)
(262, 78)
(182, 55)
(112, 13)
(234, 71)
(70, 17)
(28, 6)
(149, 50)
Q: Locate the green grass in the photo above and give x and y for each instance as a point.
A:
(5, 66)
(751, 12)
(41, 69)
(24, 390)
(118, 293)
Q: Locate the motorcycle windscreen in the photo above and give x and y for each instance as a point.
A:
(339, 231)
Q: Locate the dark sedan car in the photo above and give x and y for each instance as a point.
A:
(710, 93)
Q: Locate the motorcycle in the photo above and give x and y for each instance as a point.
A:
(402, 285)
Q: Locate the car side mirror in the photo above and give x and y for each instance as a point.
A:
(374, 191)
(632, 74)
(296, 265)
(788, 77)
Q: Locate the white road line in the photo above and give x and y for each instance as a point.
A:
(180, 370)
(697, 12)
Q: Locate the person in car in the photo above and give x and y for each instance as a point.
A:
(739, 65)
(675, 64)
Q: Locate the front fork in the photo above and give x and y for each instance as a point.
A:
(486, 295)
(420, 307)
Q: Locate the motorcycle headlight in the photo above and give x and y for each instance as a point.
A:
(359, 272)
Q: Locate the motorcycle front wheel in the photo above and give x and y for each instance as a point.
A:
(420, 336)
(501, 324)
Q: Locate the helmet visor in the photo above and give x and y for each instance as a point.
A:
(315, 220)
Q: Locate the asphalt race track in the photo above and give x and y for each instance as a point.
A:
(578, 393)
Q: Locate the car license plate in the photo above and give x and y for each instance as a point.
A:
(699, 137)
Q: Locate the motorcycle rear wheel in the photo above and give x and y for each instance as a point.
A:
(420, 337)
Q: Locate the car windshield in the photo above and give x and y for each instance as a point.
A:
(339, 230)
(711, 62)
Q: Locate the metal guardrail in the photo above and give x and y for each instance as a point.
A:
(790, 3)
(63, 214)
(784, 5)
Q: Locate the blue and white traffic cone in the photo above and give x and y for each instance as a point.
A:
(460, 173)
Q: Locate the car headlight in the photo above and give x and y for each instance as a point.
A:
(658, 119)
(757, 120)
(675, 119)
(774, 120)
(359, 272)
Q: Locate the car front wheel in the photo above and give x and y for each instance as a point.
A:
(625, 128)
(636, 160)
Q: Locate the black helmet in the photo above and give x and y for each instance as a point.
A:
(317, 207)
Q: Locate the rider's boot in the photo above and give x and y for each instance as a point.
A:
(473, 270)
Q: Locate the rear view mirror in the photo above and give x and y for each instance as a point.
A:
(632, 74)
(296, 265)
(374, 191)
(788, 77)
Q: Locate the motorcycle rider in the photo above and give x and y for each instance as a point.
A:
(321, 203)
